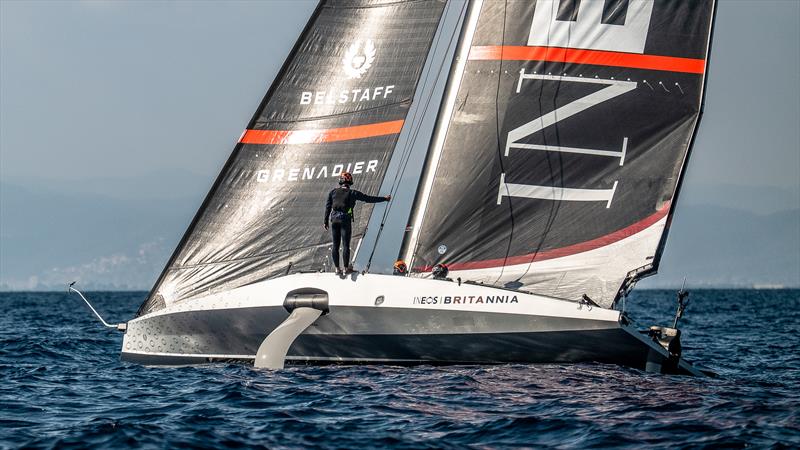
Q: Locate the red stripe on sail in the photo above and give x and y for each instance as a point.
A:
(563, 251)
(593, 57)
(318, 136)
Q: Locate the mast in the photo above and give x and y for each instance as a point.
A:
(437, 138)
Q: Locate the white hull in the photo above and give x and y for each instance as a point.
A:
(416, 321)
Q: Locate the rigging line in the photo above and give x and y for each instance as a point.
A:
(499, 143)
(554, 206)
(430, 96)
(377, 5)
(410, 143)
(406, 149)
(413, 241)
(405, 153)
(417, 130)
(254, 257)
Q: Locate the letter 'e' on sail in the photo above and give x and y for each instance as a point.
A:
(561, 143)
(338, 104)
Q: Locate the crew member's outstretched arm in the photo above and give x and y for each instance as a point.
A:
(358, 195)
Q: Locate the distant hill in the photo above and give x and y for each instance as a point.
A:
(53, 232)
(723, 247)
(49, 238)
(161, 184)
(754, 199)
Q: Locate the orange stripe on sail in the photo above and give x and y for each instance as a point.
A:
(593, 57)
(319, 136)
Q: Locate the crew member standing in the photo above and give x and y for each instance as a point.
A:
(339, 217)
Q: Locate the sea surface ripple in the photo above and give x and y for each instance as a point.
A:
(62, 385)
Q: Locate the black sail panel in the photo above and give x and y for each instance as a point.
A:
(338, 104)
(565, 145)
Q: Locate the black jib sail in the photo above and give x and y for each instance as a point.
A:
(561, 144)
(337, 104)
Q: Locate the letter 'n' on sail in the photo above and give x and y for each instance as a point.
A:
(338, 104)
(561, 142)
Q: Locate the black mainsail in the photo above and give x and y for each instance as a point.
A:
(338, 104)
(558, 155)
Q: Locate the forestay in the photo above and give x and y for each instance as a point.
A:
(337, 104)
(557, 160)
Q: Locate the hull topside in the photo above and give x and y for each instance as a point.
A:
(385, 319)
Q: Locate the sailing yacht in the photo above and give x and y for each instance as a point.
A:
(549, 183)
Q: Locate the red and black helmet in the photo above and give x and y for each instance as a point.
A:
(440, 271)
(400, 267)
(346, 178)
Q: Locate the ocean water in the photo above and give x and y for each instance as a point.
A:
(62, 385)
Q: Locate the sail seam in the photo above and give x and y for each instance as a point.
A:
(406, 101)
(249, 258)
(379, 5)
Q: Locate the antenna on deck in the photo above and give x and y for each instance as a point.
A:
(119, 326)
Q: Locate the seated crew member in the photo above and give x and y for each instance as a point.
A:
(400, 268)
(339, 217)
(440, 272)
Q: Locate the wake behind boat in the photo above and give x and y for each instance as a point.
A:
(548, 188)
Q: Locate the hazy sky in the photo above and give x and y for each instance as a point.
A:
(127, 88)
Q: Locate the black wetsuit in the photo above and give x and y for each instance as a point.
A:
(339, 213)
